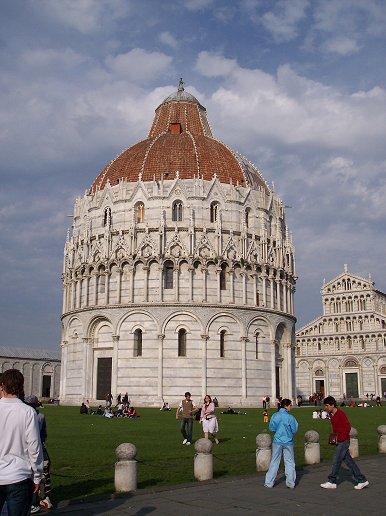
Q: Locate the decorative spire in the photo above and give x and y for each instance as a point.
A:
(181, 85)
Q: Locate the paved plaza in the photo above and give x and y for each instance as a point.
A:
(247, 495)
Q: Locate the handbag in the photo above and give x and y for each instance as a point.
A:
(333, 439)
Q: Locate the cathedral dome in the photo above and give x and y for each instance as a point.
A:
(180, 143)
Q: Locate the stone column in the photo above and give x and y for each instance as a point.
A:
(311, 447)
(86, 291)
(131, 284)
(125, 468)
(203, 460)
(161, 338)
(107, 287)
(218, 273)
(63, 370)
(204, 280)
(191, 273)
(243, 340)
(146, 283)
(119, 285)
(176, 272)
(264, 281)
(160, 283)
(263, 451)
(255, 289)
(354, 443)
(244, 281)
(381, 438)
(272, 303)
(204, 364)
(114, 372)
(278, 294)
(232, 282)
(95, 291)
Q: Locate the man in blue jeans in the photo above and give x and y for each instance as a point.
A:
(285, 426)
(186, 408)
(21, 455)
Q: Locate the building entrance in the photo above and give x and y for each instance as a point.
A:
(352, 385)
(319, 387)
(103, 378)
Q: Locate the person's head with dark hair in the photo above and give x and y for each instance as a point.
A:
(12, 383)
(330, 401)
(187, 395)
(285, 403)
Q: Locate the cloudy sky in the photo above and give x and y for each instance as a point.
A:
(297, 86)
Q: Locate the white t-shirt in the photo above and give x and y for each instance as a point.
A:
(21, 454)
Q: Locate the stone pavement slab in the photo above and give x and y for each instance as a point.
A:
(247, 495)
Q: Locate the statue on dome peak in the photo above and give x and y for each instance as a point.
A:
(181, 85)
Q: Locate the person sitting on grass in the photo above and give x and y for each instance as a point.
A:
(108, 413)
(132, 412)
(83, 409)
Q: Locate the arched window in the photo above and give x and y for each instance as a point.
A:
(138, 343)
(177, 211)
(140, 212)
(214, 211)
(107, 217)
(257, 338)
(168, 275)
(222, 344)
(223, 277)
(182, 343)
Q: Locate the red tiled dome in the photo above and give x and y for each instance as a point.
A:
(180, 140)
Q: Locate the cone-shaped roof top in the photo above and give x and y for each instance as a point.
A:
(180, 140)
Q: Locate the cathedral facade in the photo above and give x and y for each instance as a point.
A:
(179, 273)
(343, 352)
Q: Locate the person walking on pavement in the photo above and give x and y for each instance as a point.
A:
(341, 426)
(285, 426)
(186, 408)
(21, 454)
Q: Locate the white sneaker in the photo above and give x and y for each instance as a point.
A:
(184, 441)
(46, 503)
(361, 485)
(188, 443)
(34, 509)
(328, 485)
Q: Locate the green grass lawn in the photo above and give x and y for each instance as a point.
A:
(82, 448)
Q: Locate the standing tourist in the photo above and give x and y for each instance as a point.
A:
(21, 455)
(341, 426)
(208, 419)
(186, 408)
(41, 498)
(285, 426)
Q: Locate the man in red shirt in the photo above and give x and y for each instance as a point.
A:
(341, 426)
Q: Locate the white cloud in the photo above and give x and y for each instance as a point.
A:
(85, 16)
(211, 65)
(341, 45)
(168, 39)
(282, 21)
(139, 65)
(293, 110)
(197, 5)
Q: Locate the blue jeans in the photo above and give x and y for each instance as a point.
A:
(289, 464)
(343, 455)
(18, 497)
(187, 422)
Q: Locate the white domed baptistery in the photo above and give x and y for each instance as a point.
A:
(179, 274)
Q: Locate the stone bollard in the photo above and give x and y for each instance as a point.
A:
(382, 438)
(354, 444)
(263, 452)
(311, 447)
(125, 468)
(203, 460)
